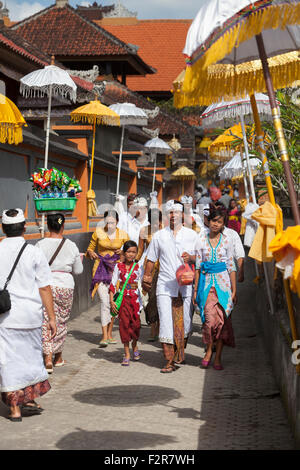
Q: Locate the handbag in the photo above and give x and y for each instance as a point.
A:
(118, 297)
(5, 302)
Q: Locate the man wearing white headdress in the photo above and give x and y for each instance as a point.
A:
(172, 246)
(23, 376)
(192, 219)
(137, 219)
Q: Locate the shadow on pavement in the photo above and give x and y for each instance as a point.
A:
(152, 358)
(93, 338)
(111, 440)
(127, 395)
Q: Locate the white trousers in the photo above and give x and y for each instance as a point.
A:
(164, 306)
(105, 316)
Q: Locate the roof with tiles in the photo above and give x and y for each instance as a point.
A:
(160, 44)
(14, 41)
(64, 32)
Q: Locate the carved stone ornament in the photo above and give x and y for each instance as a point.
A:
(152, 133)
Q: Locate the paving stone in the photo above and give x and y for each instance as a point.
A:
(95, 403)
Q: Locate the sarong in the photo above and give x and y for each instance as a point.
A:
(178, 325)
(151, 308)
(62, 300)
(216, 325)
(129, 321)
(23, 376)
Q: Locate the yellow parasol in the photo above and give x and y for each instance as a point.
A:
(221, 147)
(11, 122)
(94, 113)
(207, 169)
(183, 174)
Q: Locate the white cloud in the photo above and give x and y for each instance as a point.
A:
(20, 10)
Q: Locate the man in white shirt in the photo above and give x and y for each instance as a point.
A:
(23, 376)
(136, 217)
(172, 246)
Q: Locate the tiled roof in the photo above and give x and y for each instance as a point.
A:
(64, 32)
(18, 44)
(160, 44)
(168, 125)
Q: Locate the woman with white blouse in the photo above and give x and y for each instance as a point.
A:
(64, 264)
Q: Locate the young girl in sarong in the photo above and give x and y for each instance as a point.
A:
(234, 216)
(129, 312)
(215, 287)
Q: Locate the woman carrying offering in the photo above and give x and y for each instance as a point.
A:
(108, 241)
(215, 287)
(146, 234)
(64, 260)
(129, 312)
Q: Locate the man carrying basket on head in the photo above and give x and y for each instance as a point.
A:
(172, 246)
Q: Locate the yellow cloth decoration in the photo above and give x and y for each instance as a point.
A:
(242, 203)
(95, 111)
(266, 216)
(286, 245)
(11, 122)
(91, 200)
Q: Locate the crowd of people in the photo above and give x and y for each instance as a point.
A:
(165, 264)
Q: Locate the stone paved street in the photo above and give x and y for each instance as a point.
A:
(95, 403)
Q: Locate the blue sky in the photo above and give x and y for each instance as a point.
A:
(20, 9)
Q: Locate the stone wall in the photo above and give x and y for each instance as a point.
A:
(278, 341)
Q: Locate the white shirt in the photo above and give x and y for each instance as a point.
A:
(132, 226)
(66, 262)
(235, 240)
(168, 249)
(31, 273)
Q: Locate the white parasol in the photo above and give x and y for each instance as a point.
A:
(238, 109)
(129, 115)
(50, 81)
(156, 146)
(235, 166)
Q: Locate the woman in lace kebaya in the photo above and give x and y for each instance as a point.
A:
(215, 287)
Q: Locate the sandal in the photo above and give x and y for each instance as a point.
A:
(125, 361)
(60, 364)
(112, 341)
(168, 369)
(49, 368)
(103, 343)
(136, 355)
(15, 419)
(34, 406)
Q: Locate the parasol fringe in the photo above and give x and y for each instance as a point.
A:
(11, 134)
(39, 92)
(269, 17)
(204, 87)
(106, 120)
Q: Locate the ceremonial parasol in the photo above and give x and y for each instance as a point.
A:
(129, 115)
(11, 122)
(238, 108)
(95, 113)
(207, 169)
(50, 81)
(155, 146)
(235, 167)
(183, 174)
(237, 32)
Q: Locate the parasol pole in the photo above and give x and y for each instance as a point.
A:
(154, 173)
(47, 147)
(93, 153)
(278, 129)
(245, 179)
(262, 150)
(248, 159)
(120, 161)
(92, 165)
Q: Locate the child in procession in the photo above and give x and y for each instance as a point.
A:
(129, 312)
